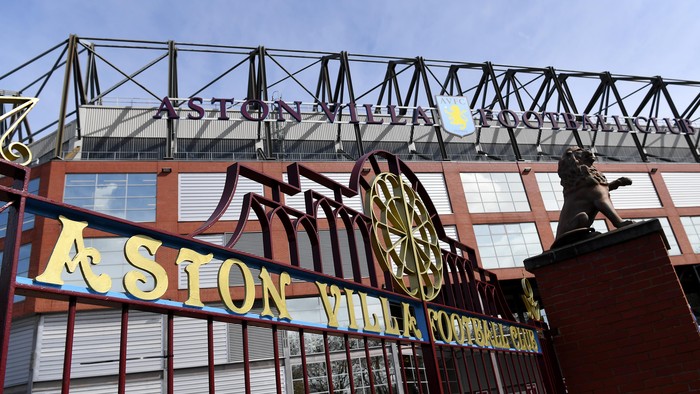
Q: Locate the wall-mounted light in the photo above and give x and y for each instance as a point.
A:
(365, 171)
(526, 170)
(166, 170)
(653, 170)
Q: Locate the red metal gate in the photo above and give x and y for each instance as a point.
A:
(438, 327)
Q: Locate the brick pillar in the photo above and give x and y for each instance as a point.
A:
(623, 323)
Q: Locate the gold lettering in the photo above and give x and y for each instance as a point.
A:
(409, 322)
(196, 260)
(391, 324)
(72, 235)
(351, 310)
(331, 312)
(248, 286)
(514, 337)
(480, 337)
(372, 327)
(445, 332)
(278, 296)
(456, 321)
(467, 331)
(133, 257)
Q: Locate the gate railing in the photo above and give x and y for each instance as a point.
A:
(370, 337)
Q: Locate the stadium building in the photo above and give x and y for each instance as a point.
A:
(148, 131)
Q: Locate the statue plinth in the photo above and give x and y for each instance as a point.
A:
(623, 323)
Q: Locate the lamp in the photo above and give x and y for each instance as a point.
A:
(166, 170)
(526, 170)
(654, 170)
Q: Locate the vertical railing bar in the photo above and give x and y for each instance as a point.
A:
(403, 367)
(369, 366)
(476, 371)
(444, 369)
(170, 361)
(121, 388)
(514, 379)
(278, 372)
(539, 372)
(522, 371)
(531, 368)
(466, 368)
(246, 356)
(456, 364)
(500, 370)
(527, 369)
(486, 372)
(348, 359)
(386, 366)
(329, 370)
(302, 347)
(416, 368)
(210, 355)
(507, 368)
(68, 352)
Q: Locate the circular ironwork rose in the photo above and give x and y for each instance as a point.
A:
(403, 237)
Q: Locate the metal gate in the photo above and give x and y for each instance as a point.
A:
(403, 308)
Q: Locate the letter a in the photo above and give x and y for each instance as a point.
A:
(72, 235)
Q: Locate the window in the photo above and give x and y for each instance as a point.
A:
(668, 232)
(494, 192)
(506, 245)
(28, 222)
(692, 228)
(127, 196)
(551, 190)
(25, 252)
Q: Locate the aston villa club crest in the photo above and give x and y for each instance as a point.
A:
(455, 114)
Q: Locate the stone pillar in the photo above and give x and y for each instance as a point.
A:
(621, 319)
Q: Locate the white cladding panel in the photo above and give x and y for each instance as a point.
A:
(230, 379)
(640, 194)
(683, 188)
(199, 194)
(190, 342)
(297, 201)
(121, 122)
(151, 384)
(96, 344)
(19, 354)
(434, 183)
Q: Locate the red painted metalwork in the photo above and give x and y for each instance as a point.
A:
(123, 337)
(467, 289)
(210, 355)
(170, 356)
(246, 356)
(68, 350)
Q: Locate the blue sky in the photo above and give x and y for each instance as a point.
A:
(622, 36)
(643, 38)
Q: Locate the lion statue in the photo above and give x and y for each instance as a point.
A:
(586, 192)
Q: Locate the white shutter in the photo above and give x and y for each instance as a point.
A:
(190, 342)
(149, 384)
(434, 184)
(298, 202)
(229, 380)
(199, 194)
(640, 194)
(683, 188)
(96, 344)
(19, 354)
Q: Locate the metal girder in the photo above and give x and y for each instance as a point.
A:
(170, 138)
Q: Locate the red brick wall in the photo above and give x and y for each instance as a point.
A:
(623, 321)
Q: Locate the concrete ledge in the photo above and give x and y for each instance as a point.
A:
(611, 238)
